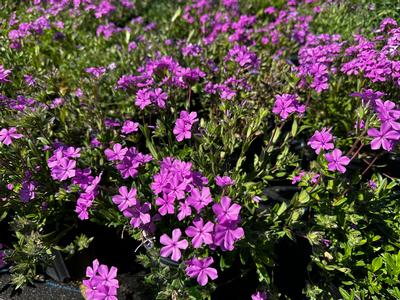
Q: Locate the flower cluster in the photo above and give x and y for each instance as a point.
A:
(128, 160)
(316, 58)
(321, 140)
(286, 104)
(375, 59)
(243, 56)
(62, 163)
(102, 282)
(155, 77)
(183, 125)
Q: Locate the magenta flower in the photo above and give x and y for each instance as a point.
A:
(166, 203)
(199, 199)
(184, 210)
(101, 283)
(224, 181)
(108, 276)
(64, 170)
(125, 198)
(226, 234)
(384, 137)
(30, 81)
(336, 161)
(129, 127)
(173, 246)
(96, 71)
(143, 98)
(159, 97)
(182, 130)
(139, 214)
(7, 135)
(183, 125)
(321, 140)
(259, 296)
(200, 233)
(176, 188)
(225, 211)
(4, 74)
(117, 152)
(287, 104)
(200, 268)
(190, 118)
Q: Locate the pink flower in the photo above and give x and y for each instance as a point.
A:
(224, 181)
(336, 161)
(184, 210)
(139, 214)
(384, 137)
(125, 198)
(183, 125)
(167, 204)
(4, 74)
(64, 170)
(287, 104)
(176, 188)
(101, 283)
(321, 140)
(182, 130)
(7, 135)
(200, 268)
(225, 211)
(129, 127)
(199, 199)
(108, 276)
(117, 152)
(226, 234)
(259, 296)
(173, 246)
(200, 233)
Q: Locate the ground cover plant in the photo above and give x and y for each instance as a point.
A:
(241, 149)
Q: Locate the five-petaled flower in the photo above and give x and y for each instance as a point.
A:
(125, 198)
(225, 211)
(7, 135)
(200, 233)
(336, 161)
(201, 269)
(117, 152)
(384, 137)
(321, 140)
(172, 246)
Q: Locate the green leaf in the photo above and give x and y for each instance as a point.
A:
(376, 263)
(176, 15)
(304, 197)
(282, 208)
(294, 127)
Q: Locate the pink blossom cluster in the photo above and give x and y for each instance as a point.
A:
(62, 165)
(128, 160)
(102, 282)
(316, 58)
(375, 58)
(150, 87)
(286, 104)
(183, 125)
